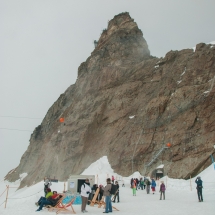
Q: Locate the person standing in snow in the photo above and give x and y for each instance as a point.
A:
(85, 191)
(47, 184)
(101, 191)
(148, 183)
(112, 179)
(199, 188)
(141, 183)
(131, 182)
(107, 195)
(162, 190)
(94, 189)
(144, 184)
(153, 185)
(117, 192)
(134, 186)
(137, 183)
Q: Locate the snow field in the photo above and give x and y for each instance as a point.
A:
(179, 197)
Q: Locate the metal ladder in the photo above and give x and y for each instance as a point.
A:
(156, 156)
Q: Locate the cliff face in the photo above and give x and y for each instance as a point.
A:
(172, 100)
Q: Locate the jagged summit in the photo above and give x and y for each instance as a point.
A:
(123, 36)
(120, 44)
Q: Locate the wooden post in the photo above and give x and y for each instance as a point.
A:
(6, 196)
(64, 190)
(190, 183)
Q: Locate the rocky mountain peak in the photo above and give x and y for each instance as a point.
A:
(127, 105)
(122, 40)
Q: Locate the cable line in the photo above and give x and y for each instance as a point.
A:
(14, 129)
(22, 117)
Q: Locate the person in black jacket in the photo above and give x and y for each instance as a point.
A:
(199, 188)
(117, 192)
(137, 182)
(101, 191)
(94, 189)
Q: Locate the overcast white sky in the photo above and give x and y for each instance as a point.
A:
(42, 43)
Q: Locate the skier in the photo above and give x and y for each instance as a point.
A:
(199, 188)
(153, 185)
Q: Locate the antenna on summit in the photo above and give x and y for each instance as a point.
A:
(95, 43)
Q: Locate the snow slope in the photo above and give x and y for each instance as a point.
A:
(179, 197)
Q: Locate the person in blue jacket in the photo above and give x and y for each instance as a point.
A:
(199, 188)
(153, 185)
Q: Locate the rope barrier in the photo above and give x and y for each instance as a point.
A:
(2, 203)
(3, 192)
(26, 196)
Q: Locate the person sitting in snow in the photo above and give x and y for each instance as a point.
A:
(199, 188)
(48, 194)
(153, 185)
(49, 201)
(162, 190)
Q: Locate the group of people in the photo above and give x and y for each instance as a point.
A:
(145, 183)
(107, 191)
(51, 198)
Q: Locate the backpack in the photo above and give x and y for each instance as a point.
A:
(113, 189)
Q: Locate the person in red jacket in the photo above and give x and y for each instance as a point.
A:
(112, 179)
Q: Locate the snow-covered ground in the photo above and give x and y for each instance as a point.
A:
(180, 199)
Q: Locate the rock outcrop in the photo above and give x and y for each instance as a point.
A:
(127, 104)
